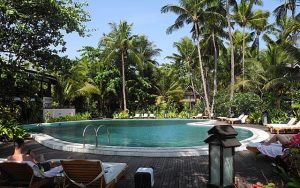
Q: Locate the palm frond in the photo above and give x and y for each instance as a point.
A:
(89, 89)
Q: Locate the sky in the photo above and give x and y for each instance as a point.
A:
(146, 18)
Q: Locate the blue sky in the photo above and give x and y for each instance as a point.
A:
(146, 18)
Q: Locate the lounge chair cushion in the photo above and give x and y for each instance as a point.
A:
(112, 170)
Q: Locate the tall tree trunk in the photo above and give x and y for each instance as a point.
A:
(201, 70)
(231, 52)
(192, 83)
(243, 57)
(257, 43)
(123, 82)
(294, 34)
(191, 78)
(215, 72)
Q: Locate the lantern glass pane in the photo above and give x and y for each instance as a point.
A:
(214, 164)
(228, 166)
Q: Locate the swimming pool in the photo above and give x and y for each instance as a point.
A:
(134, 133)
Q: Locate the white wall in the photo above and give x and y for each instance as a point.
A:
(56, 112)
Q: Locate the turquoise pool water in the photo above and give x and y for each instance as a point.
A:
(133, 133)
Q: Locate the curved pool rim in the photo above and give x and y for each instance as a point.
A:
(57, 144)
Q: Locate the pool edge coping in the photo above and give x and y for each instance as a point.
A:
(54, 143)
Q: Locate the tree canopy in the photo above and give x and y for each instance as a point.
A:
(32, 31)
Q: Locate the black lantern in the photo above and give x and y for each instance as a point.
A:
(221, 151)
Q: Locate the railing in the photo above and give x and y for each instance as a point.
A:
(108, 135)
(83, 134)
(96, 131)
(96, 134)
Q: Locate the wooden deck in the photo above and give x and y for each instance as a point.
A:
(175, 172)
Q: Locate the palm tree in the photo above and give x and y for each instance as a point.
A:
(281, 13)
(228, 16)
(144, 64)
(168, 87)
(146, 51)
(191, 12)
(259, 27)
(120, 41)
(212, 33)
(186, 55)
(246, 16)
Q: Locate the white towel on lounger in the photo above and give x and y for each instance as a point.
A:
(271, 150)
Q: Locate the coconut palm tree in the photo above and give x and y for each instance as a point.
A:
(145, 52)
(192, 12)
(229, 3)
(144, 64)
(245, 16)
(187, 52)
(281, 13)
(168, 87)
(282, 10)
(119, 41)
(259, 27)
(213, 33)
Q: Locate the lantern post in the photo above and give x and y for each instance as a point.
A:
(222, 142)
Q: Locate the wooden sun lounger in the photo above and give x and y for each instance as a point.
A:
(222, 118)
(198, 116)
(206, 117)
(279, 128)
(291, 122)
(21, 174)
(93, 172)
(241, 119)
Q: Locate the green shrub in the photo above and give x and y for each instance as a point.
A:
(183, 114)
(278, 116)
(11, 131)
(222, 104)
(296, 110)
(255, 117)
(76, 117)
(296, 96)
(171, 115)
(198, 107)
(123, 115)
(247, 103)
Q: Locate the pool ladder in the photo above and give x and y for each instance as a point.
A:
(96, 130)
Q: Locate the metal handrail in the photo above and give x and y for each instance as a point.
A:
(96, 131)
(108, 135)
(96, 134)
(83, 133)
(107, 132)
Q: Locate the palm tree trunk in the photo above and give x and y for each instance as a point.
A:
(257, 40)
(243, 57)
(201, 71)
(215, 72)
(192, 83)
(231, 53)
(191, 79)
(123, 82)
